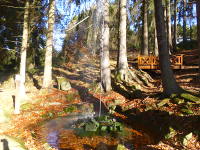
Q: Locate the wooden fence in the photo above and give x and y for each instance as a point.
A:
(152, 62)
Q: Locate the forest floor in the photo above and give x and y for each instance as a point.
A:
(157, 123)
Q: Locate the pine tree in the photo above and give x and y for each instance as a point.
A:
(122, 66)
(168, 19)
(47, 79)
(24, 46)
(145, 45)
(169, 83)
(105, 62)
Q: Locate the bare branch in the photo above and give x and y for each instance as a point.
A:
(77, 23)
(18, 7)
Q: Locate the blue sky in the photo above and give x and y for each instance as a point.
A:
(67, 11)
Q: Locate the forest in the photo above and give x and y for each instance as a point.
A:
(99, 75)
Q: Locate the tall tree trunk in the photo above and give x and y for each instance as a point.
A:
(155, 42)
(122, 58)
(168, 81)
(184, 20)
(24, 46)
(145, 28)
(198, 28)
(175, 26)
(105, 62)
(165, 18)
(155, 36)
(168, 19)
(47, 79)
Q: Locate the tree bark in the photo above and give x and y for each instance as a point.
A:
(105, 61)
(184, 21)
(122, 58)
(175, 26)
(47, 79)
(156, 42)
(155, 36)
(168, 81)
(168, 19)
(145, 28)
(198, 28)
(24, 47)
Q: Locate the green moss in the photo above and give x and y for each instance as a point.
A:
(190, 97)
(186, 111)
(70, 109)
(171, 133)
(118, 77)
(70, 97)
(179, 100)
(173, 95)
(163, 102)
(26, 106)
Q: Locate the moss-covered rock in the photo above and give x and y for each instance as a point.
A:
(190, 97)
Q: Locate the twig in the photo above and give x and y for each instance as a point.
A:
(77, 23)
(18, 7)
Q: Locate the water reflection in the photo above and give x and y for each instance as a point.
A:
(52, 129)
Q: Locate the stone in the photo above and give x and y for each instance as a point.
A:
(102, 146)
(63, 84)
(121, 147)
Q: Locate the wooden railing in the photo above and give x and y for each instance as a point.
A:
(152, 62)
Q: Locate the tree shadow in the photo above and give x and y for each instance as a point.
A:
(5, 144)
(35, 81)
(86, 96)
(157, 123)
(5, 76)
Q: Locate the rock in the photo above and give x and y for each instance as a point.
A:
(121, 147)
(190, 97)
(102, 146)
(163, 102)
(63, 84)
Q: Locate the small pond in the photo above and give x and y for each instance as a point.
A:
(61, 133)
(66, 133)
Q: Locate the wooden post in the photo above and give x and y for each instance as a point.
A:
(19, 93)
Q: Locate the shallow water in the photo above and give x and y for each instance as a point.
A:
(57, 131)
(51, 130)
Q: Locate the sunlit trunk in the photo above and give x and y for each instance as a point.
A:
(175, 26)
(145, 28)
(168, 81)
(105, 62)
(155, 35)
(122, 60)
(156, 42)
(168, 19)
(184, 20)
(24, 46)
(47, 79)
